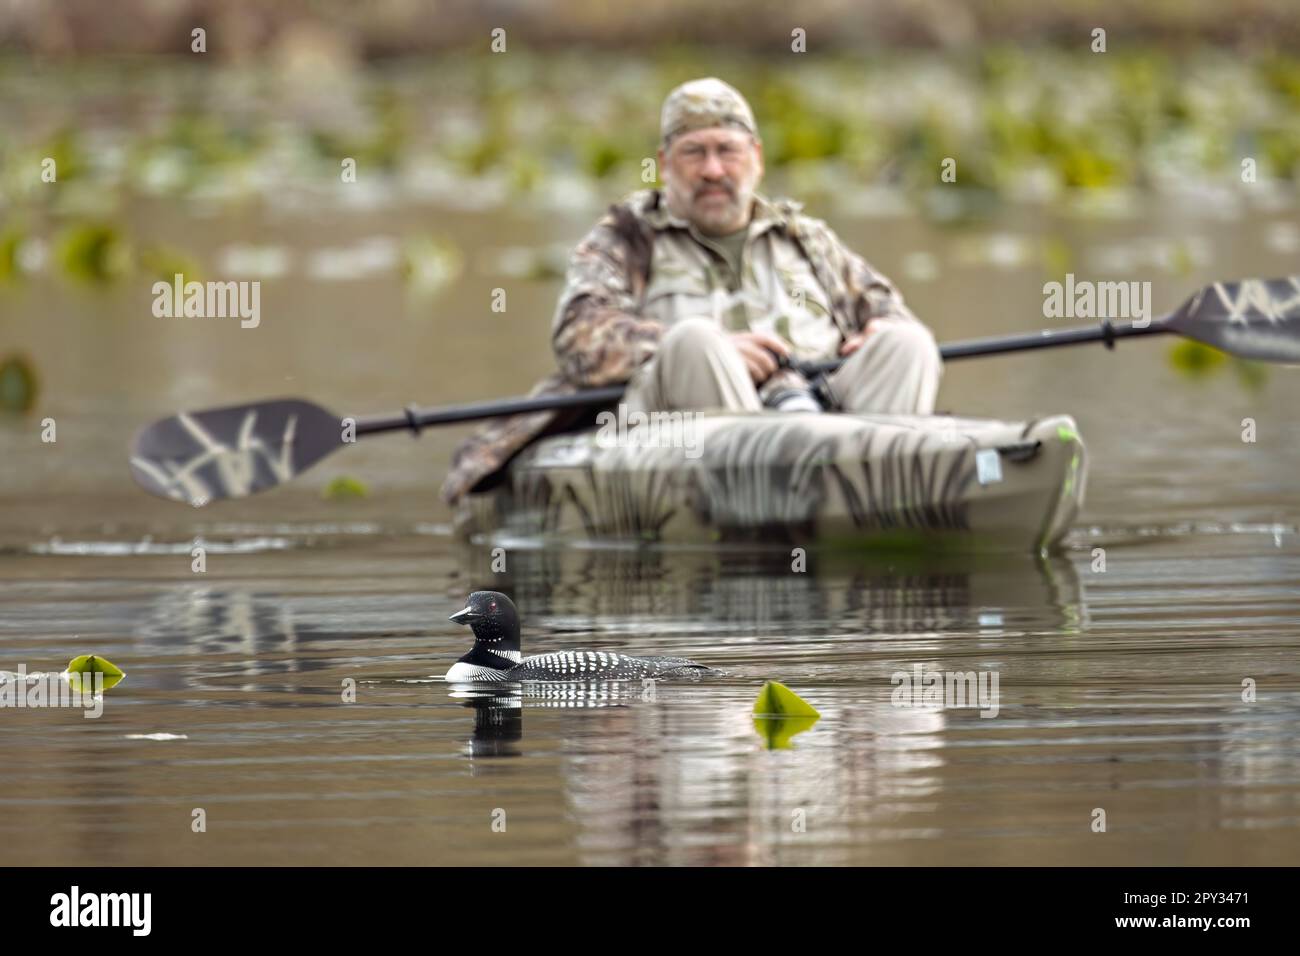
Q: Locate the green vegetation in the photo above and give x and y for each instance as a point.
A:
(344, 488)
(161, 262)
(94, 252)
(780, 714)
(11, 241)
(80, 671)
(1195, 360)
(777, 700)
(1074, 133)
(1063, 121)
(18, 386)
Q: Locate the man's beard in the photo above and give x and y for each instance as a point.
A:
(713, 217)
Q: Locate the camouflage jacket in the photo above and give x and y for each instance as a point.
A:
(641, 268)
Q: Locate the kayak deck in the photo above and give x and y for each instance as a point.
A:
(865, 481)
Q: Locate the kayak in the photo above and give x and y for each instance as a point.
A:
(858, 481)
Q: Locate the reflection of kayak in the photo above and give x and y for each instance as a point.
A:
(679, 593)
(856, 480)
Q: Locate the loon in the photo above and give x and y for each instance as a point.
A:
(495, 655)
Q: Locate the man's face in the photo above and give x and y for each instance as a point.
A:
(710, 176)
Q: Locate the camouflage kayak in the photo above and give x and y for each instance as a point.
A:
(868, 481)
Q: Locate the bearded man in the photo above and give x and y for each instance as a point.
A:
(700, 294)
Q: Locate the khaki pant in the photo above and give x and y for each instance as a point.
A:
(896, 370)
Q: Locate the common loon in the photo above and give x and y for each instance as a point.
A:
(495, 655)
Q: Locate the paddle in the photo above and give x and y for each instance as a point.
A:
(239, 450)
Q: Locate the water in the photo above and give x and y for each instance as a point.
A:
(1120, 690)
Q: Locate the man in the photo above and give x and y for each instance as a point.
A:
(695, 294)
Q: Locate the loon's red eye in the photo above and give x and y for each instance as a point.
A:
(492, 606)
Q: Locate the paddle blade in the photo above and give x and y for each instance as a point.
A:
(197, 457)
(1253, 318)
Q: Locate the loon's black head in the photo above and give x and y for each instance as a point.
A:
(494, 620)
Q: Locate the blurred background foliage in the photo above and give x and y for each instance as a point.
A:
(113, 100)
(570, 129)
(411, 91)
(388, 28)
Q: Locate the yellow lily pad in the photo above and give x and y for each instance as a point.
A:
(780, 713)
(1195, 359)
(17, 384)
(777, 731)
(342, 488)
(94, 252)
(81, 670)
(777, 700)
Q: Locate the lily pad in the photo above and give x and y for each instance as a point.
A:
(780, 713)
(1194, 359)
(164, 263)
(81, 670)
(342, 488)
(18, 385)
(10, 242)
(94, 252)
(778, 731)
(777, 700)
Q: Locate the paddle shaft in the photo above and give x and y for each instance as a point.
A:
(1106, 332)
(415, 419)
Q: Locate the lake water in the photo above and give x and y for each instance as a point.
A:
(1119, 690)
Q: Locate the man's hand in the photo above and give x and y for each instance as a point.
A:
(854, 342)
(757, 349)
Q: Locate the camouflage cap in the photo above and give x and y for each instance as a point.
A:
(704, 103)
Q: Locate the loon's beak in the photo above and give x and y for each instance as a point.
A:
(463, 616)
